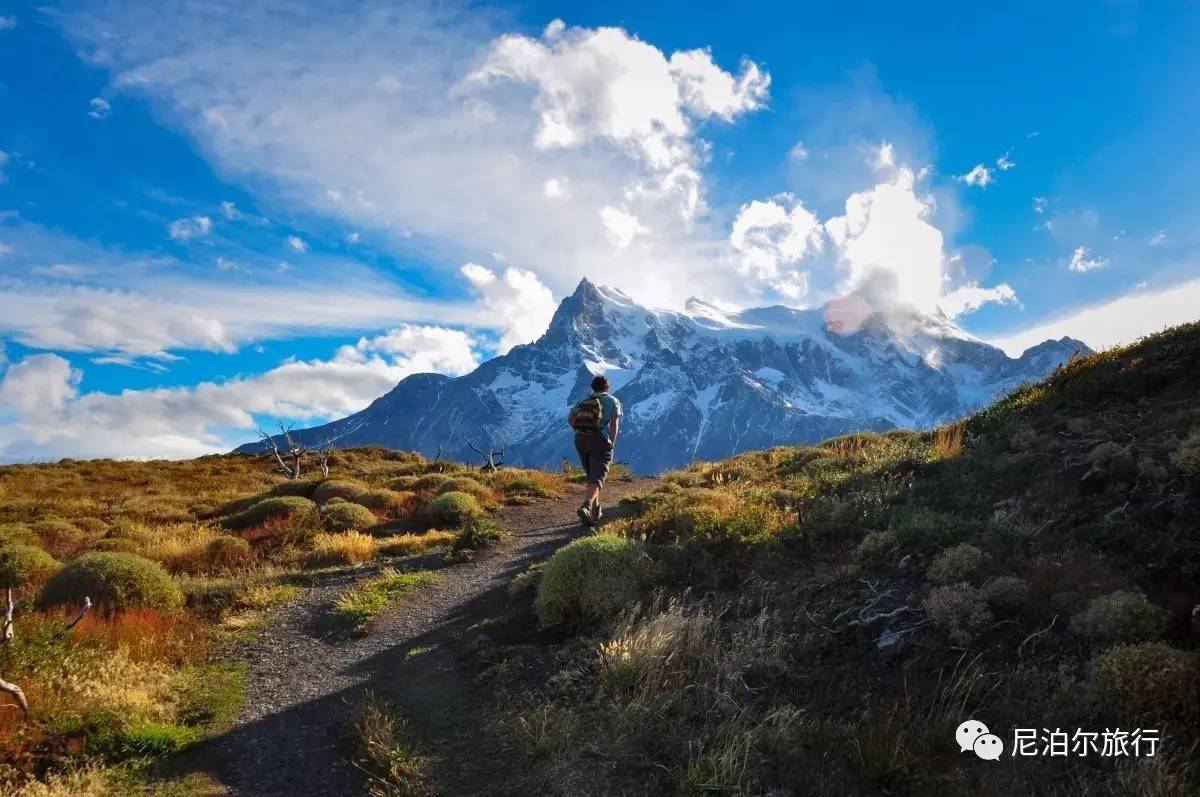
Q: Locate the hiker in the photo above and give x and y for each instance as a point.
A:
(595, 421)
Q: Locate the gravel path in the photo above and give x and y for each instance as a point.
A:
(294, 735)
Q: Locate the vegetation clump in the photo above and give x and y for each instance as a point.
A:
(337, 488)
(591, 580)
(1119, 617)
(346, 516)
(1006, 594)
(477, 534)
(114, 581)
(958, 563)
(1149, 683)
(370, 598)
(286, 507)
(1186, 456)
(453, 509)
(21, 565)
(959, 610)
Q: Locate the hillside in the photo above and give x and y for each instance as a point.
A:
(825, 617)
(699, 384)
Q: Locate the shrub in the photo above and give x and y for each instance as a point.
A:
(18, 533)
(288, 507)
(453, 508)
(117, 545)
(343, 517)
(228, 553)
(405, 544)
(959, 610)
(877, 547)
(1119, 617)
(1114, 459)
(337, 488)
(1149, 683)
(476, 534)
(370, 598)
(1006, 594)
(430, 481)
(1186, 457)
(116, 581)
(958, 563)
(24, 564)
(388, 502)
(925, 528)
(591, 580)
(465, 484)
(349, 548)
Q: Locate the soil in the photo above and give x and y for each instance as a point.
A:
(305, 685)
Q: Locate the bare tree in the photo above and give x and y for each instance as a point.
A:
(323, 454)
(492, 458)
(295, 452)
(8, 633)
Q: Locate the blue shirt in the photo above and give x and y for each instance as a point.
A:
(611, 409)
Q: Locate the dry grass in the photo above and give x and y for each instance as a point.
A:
(948, 440)
(347, 548)
(392, 766)
(407, 544)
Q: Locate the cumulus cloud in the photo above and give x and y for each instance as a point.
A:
(980, 176)
(1004, 162)
(54, 419)
(187, 229)
(771, 239)
(1082, 260)
(99, 108)
(297, 243)
(621, 226)
(1115, 322)
(517, 301)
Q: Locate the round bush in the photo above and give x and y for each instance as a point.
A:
(17, 533)
(877, 547)
(1006, 594)
(288, 506)
(591, 580)
(1119, 617)
(116, 544)
(959, 610)
(1149, 683)
(957, 563)
(337, 488)
(465, 484)
(115, 581)
(228, 553)
(347, 516)
(389, 502)
(453, 508)
(24, 564)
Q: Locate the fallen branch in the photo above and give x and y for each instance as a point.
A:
(1036, 635)
(874, 618)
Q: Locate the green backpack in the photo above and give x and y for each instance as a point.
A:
(587, 415)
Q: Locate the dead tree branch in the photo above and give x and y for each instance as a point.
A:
(1036, 635)
(324, 451)
(490, 456)
(9, 687)
(294, 451)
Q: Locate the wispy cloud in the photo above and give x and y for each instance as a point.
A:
(187, 229)
(1082, 260)
(99, 108)
(980, 176)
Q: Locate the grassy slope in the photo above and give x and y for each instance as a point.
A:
(840, 609)
(124, 688)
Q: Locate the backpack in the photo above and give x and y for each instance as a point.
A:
(587, 415)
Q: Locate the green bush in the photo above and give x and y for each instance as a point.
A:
(149, 740)
(1006, 594)
(926, 529)
(1119, 617)
(21, 533)
(476, 534)
(1149, 683)
(877, 547)
(430, 481)
(347, 516)
(957, 563)
(591, 580)
(24, 564)
(117, 545)
(1114, 459)
(453, 509)
(337, 488)
(279, 507)
(114, 581)
(1186, 457)
(959, 610)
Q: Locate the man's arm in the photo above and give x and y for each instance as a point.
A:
(613, 425)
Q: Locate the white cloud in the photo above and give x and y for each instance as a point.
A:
(186, 229)
(1004, 162)
(53, 419)
(621, 226)
(798, 152)
(99, 108)
(8, 23)
(1159, 238)
(1083, 261)
(517, 301)
(67, 271)
(353, 237)
(1116, 322)
(297, 243)
(1039, 204)
(971, 297)
(556, 188)
(771, 239)
(885, 156)
(225, 264)
(230, 211)
(980, 176)
(3, 160)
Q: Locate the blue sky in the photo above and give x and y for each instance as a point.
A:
(216, 214)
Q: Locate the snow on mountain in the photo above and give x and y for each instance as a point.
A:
(699, 384)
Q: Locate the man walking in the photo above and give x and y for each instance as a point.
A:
(595, 420)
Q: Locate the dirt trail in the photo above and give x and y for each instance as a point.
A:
(293, 736)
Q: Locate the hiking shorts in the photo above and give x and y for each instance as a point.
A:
(595, 455)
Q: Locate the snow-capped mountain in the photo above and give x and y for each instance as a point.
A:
(699, 384)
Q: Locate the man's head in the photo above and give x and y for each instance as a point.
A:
(600, 384)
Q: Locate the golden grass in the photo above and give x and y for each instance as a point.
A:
(948, 440)
(347, 548)
(407, 544)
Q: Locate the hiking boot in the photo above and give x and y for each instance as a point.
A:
(597, 513)
(585, 514)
